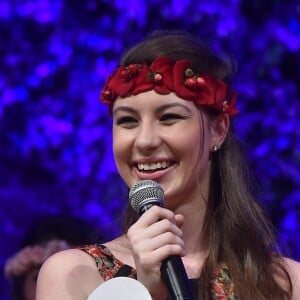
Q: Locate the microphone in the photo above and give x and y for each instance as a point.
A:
(142, 196)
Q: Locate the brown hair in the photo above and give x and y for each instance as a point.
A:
(236, 231)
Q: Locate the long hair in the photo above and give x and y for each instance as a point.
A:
(236, 230)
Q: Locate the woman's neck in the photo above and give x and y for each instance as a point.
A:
(194, 212)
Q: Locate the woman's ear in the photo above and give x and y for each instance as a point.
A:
(219, 128)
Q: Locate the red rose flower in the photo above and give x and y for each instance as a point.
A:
(164, 66)
(120, 84)
(142, 83)
(179, 80)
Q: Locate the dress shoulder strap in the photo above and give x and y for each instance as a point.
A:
(222, 285)
(107, 264)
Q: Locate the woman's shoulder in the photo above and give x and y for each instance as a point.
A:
(293, 265)
(293, 268)
(69, 274)
(67, 260)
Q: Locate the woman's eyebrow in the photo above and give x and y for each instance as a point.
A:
(171, 105)
(158, 110)
(123, 109)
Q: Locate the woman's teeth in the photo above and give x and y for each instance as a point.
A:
(153, 166)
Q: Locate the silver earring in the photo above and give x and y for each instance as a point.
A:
(215, 148)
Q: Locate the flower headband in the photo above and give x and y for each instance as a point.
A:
(165, 76)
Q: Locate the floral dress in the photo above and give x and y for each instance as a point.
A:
(109, 267)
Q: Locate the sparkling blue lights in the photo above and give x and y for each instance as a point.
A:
(55, 137)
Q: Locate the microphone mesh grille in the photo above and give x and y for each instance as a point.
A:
(145, 190)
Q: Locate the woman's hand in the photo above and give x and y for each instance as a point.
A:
(154, 237)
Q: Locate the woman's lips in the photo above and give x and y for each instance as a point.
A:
(154, 173)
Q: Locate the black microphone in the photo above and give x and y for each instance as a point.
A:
(142, 196)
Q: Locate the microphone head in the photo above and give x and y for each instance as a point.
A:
(144, 194)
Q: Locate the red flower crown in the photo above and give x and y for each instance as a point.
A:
(165, 76)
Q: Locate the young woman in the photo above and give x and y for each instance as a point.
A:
(171, 106)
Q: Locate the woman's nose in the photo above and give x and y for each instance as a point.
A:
(147, 138)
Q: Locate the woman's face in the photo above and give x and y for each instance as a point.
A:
(162, 138)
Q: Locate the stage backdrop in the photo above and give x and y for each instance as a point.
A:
(55, 140)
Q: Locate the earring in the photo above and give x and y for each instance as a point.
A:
(215, 148)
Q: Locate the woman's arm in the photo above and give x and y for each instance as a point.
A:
(68, 275)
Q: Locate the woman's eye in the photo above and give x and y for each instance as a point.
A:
(126, 121)
(170, 118)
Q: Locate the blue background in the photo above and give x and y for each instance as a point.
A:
(55, 138)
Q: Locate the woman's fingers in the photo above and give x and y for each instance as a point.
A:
(157, 249)
(154, 214)
(153, 230)
(156, 235)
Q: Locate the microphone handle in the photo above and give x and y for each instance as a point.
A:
(175, 278)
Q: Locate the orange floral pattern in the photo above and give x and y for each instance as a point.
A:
(222, 285)
(109, 266)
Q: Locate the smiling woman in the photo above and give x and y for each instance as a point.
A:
(172, 107)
